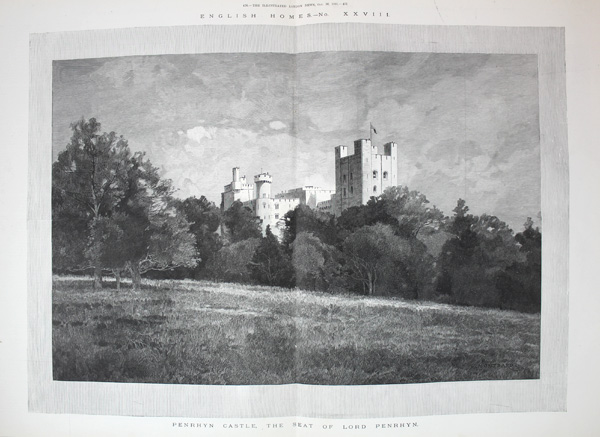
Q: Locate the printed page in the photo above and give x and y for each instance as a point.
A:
(336, 226)
(392, 265)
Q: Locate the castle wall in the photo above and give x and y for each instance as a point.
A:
(243, 193)
(326, 205)
(308, 195)
(271, 212)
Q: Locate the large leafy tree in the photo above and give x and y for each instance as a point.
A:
(317, 265)
(89, 179)
(112, 208)
(355, 217)
(240, 223)
(304, 219)
(231, 263)
(204, 218)
(372, 253)
(411, 211)
(470, 261)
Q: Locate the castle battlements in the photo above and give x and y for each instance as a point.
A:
(263, 177)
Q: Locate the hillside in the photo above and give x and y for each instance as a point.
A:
(206, 333)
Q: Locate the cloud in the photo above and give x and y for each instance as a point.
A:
(199, 132)
(277, 125)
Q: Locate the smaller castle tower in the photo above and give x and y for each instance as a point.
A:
(238, 189)
(262, 184)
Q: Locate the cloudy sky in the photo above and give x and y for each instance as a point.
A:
(466, 124)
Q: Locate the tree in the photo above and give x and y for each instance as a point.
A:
(106, 244)
(70, 230)
(89, 179)
(355, 217)
(270, 264)
(204, 218)
(470, 261)
(305, 219)
(308, 259)
(370, 252)
(127, 209)
(154, 236)
(241, 223)
(411, 211)
(520, 284)
(319, 266)
(231, 263)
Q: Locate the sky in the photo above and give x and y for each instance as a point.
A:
(466, 125)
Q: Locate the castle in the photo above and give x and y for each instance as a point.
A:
(268, 208)
(359, 176)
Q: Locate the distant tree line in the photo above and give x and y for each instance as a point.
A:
(112, 214)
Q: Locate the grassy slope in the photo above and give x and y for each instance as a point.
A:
(206, 333)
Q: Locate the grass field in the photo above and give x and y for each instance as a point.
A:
(205, 333)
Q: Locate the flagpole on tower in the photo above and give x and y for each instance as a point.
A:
(371, 130)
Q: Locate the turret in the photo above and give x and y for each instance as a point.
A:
(390, 149)
(362, 147)
(341, 152)
(262, 182)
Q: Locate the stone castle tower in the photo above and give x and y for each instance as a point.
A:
(263, 206)
(364, 174)
(238, 189)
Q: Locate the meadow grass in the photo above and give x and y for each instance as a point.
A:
(197, 332)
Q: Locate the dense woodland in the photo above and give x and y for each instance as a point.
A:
(112, 214)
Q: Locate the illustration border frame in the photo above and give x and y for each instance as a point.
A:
(545, 394)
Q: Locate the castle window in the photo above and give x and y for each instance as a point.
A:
(385, 175)
(344, 192)
(374, 188)
(351, 189)
(374, 174)
(344, 178)
(264, 194)
(350, 176)
(264, 205)
(276, 216)
(277, 206)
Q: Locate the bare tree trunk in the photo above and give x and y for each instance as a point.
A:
(97, 278)
(117, 273)
(371, 283)
(136, 277)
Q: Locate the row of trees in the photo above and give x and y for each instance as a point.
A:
(112, 213)
(397, 244)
